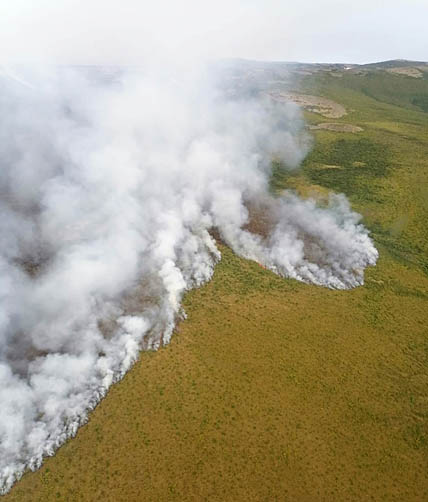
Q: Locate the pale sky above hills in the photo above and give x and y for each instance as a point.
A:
(131, 31)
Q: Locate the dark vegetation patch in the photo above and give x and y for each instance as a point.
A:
(279, 176)
(358, 164)
(403, 250)
(394, 89)
(421, 101)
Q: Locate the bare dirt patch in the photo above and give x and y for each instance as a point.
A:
(409, 72)
(331, 126)
(329, 166)
(316, 104)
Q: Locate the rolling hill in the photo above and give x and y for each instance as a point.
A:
(273, 389)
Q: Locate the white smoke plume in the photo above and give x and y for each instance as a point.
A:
(109, 188)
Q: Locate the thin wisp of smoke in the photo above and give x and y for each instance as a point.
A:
(109, 190)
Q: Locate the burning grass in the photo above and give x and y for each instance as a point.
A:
(277, 390)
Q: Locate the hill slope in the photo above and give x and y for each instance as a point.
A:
(277, 390)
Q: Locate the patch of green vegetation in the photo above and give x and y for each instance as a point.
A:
(357, 164)
(279, 176)
(402, 250)
(399, 90)
(384, 87)
(421, 101)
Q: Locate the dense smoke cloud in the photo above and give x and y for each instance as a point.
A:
(109, 188)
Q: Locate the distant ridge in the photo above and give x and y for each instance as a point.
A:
(393, 63)
(390, 63)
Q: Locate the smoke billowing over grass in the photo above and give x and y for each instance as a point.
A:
(110, 189)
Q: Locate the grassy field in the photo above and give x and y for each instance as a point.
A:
(277, 390)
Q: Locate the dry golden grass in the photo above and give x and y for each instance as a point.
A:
(271, 390)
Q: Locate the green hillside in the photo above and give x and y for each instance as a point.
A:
(274, 390)
(398, 90)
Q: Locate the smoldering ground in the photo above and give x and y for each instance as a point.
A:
(109, 189)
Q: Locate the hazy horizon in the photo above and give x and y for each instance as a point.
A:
(133, 32)
(249, 60)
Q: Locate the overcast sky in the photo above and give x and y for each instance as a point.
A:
(130, 31)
